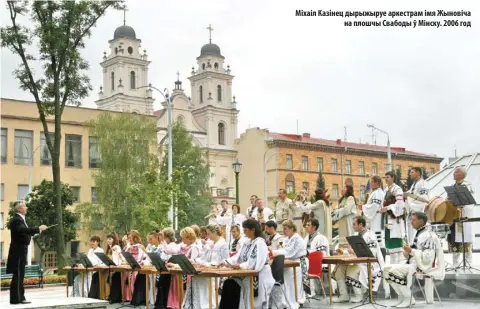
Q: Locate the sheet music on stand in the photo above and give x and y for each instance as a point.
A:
(184, 264)
(105, 259)
(131, 260)
(84, 260)
(157, 261)
(459, 195)
(359, 246)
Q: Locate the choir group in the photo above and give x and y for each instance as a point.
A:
(389, 224)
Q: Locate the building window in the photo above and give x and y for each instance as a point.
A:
(94, 195)
(94, 159)
(319, 164)
(290, 183)
(2, 192)
(305, 186)
(23, 146)
(1, 222)
(334, 166)
(4, 145)
(50, 259)
(348, 166)
(362, 193)
(374, 169)
(201, 93)
(219, 93)
(221, 134)
(216, 65)
(73, 150)
(113, 80)
(76, 194)
(132, 80)
(361, 167)
(203, 67)
(22, 192)
(289, 161)
(335, 191)
(305, 163)
(432, 172)
(45, 156)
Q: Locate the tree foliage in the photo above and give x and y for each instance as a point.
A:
(131, 194)
(41, 210)
(424, 173)
(48, 36)
(398, 181)
(196, 201)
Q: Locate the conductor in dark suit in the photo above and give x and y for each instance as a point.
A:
(21, 236)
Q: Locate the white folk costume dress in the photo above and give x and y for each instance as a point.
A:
(264, 215)
(254, 256)
(274, 241)
(251, 210)
(212, 255)
(395, 227)
(455, 244)
(237, 245)
(224, 221)
(356, 275)
(421, 259)
(87, 280)
(322, 212)
(344, 214)
(371, 214)
(294, 248)
(418, 188)
(151, 278)
(316, 242)
(284, 213)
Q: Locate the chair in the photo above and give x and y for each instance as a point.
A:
(436, 273)
(277, 273)
(315, 269)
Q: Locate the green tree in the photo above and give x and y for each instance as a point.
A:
(398, 173)
(130, 192)
(409, 180)
(320, 186)
(52, 68)
(424, 173)
(41, 210)
(189, 158)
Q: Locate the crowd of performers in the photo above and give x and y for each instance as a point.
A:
(251, 240)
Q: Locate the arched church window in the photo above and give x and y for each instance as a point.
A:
(221, 133)
(219, 93)
(181, 120)
(113, 80)
(116, 50)
(203, 66)
(130, 50)
(132, 80)
(290, 183)
(201, 94)
(215, 66)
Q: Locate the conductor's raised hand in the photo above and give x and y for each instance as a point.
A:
(42, 227)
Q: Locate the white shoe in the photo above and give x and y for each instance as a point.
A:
(358, 295)
(342, 289)
(407, 297)
(397, 290)
(341, 299)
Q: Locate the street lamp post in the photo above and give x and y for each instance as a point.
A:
(166, 96)
(389, 152)
(237, 167)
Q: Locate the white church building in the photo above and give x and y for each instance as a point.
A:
(209, 114)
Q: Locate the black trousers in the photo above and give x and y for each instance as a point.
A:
(163, 287)
(17, 292)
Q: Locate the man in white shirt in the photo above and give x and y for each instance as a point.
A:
(252, 208)
(315, 242)
(371, 209)
(413, 205)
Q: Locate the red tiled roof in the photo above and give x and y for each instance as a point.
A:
(159, 113)
(339, 143)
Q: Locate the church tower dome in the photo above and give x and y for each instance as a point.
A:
(124, 31)
(210, 49)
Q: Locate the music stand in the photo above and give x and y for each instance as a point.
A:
(361, 249)
(105, 259)
(157, 262)
(85, 261)
(187, 269)
(131, 260)
(460, 196)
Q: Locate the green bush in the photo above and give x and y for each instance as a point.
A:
(53, 279)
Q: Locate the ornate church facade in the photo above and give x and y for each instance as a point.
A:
(209, 113)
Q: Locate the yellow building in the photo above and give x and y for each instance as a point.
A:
(22, 139)
(293, 161)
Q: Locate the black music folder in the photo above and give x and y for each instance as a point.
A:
(131, 260)
(459, 195)
(157, 261)
(359, 246)
(105, 259)
(84, 260)
(184, 264)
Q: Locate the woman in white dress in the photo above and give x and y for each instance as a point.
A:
(77, 282)
(294, 248)
(212, 255)
(253, 256)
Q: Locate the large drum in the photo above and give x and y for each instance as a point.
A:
(441, 210)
